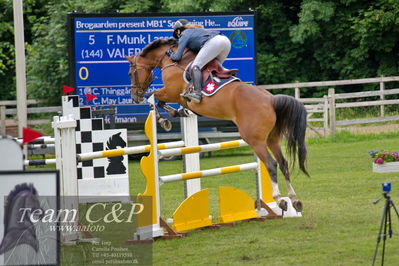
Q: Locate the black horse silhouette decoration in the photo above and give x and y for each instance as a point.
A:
(18, 227)
(116, 166)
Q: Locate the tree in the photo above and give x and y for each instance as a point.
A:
(48, 55)
(32, 10)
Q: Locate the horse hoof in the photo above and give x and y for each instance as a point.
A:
(165, 124)
(183, 112)
(298, 206)
(283, 205)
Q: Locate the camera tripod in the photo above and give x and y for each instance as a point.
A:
(386, 225)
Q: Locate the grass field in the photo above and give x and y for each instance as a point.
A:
(339, 224)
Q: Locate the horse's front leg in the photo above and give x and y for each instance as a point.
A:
(163, 122)
(171, 96)
(181, 112)
(169, 109)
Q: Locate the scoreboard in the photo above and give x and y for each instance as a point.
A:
(99, 44)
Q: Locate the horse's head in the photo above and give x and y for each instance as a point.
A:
(141, 77)
(142, 65)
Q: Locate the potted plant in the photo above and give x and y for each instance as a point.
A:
(384, 161)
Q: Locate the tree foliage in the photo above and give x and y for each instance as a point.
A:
(306, 40)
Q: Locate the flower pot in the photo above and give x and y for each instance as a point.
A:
(386, 167)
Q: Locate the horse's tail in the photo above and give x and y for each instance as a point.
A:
(291, 123)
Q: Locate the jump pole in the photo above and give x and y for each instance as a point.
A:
(210, 172)
(41, 140)
(107, 154)
(126, 151)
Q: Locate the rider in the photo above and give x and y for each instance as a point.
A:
(209, 44)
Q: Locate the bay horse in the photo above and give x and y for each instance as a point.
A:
(261, 118)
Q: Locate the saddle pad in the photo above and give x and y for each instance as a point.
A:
(213, 85)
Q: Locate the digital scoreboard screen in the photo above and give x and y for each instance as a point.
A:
(99, 44)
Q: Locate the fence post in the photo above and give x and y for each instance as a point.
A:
(325, 115)
(382, 97)
(331, 96)
(297, 93)
(3, 130)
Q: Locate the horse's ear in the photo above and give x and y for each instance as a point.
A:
(129, 58)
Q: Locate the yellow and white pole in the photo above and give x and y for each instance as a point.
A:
(129, 150)
(209, 172)
(203, 148)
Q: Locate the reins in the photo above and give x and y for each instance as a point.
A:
(174, 64)
(143, 86)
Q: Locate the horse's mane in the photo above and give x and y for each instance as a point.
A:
(156, 44)
(17, 189)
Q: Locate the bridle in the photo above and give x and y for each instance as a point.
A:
(141, 87)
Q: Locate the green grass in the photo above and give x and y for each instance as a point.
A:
(339, 224)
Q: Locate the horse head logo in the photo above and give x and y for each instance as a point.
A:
(116, 166)
(20, 206)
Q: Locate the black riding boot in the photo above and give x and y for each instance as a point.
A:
(196, 76)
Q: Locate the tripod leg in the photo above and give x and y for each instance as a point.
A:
(379, 231)
(386, 225)
(394, 208)
(390, 232)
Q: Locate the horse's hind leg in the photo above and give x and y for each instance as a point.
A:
(272, 169)
(271, 165)
(275, 147)
(260, 148)
(255, 129)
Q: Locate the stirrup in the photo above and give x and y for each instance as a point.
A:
(184, 95)
(195, 97)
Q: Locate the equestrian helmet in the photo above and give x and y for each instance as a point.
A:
(179, 24)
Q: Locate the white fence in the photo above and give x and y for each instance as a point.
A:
(8, 117)
(328, 105)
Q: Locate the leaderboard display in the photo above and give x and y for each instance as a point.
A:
(99, 44)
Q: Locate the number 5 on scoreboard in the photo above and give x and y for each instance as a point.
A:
(91, 39)
(83, 73)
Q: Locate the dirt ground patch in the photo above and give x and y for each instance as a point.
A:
(360, 129)
(371, 129)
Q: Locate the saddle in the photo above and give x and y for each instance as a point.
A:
(214, 77)
(212, 69)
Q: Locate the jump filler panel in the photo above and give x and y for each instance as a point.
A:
(102, 176)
